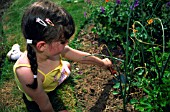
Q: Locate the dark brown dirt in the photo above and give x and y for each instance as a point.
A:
(95, 90)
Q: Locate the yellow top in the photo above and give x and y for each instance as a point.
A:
(51, 79)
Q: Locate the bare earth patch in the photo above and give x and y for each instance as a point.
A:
(95, 90)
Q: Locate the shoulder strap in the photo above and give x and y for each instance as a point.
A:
(19, 65)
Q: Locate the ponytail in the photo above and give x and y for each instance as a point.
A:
(34, 66)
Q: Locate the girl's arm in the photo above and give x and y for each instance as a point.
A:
(38, 95)
(84, 57)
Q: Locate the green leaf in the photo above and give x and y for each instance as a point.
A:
(147, 91)
(115, 92)
(140, 108)
(117, 85)
(133, 101)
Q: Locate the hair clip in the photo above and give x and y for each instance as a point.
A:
(41, 22)
(35, 76)
(49, 22)
(29, 41)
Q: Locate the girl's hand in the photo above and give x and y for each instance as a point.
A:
(106, 63)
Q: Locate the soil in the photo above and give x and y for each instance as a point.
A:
(95, 90)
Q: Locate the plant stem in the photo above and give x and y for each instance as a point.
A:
(163, 51)
(126, 61)
(164, 67)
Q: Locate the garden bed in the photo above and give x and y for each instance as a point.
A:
(95, 90)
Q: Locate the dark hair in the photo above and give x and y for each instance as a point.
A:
(63, 28)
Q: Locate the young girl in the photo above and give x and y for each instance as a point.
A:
(40, 69)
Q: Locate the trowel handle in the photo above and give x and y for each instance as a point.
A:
(112, 71)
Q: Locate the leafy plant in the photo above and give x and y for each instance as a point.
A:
(110, 21)
(145, 45)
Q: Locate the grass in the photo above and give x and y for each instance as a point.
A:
(76, 10)
(10, 99)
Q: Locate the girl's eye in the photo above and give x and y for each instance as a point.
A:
(63, 41)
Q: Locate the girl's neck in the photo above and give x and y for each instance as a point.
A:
(41, 57)
(46, 63)
(44, 58)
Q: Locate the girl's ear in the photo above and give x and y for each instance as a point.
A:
(41, 45)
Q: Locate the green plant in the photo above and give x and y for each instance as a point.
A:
(110, 21)
(145, 47)
(154, 74)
